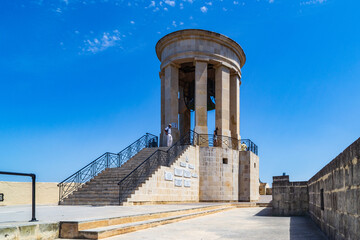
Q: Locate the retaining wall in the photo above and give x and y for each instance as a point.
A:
(20, 193)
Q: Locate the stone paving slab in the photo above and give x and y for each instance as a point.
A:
(13, 215)
(240, 223)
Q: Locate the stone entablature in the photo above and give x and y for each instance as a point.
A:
(200, 45)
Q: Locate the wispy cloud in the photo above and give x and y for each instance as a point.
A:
(107, 40)
(204, 9)
(171, 3)
(310, 2)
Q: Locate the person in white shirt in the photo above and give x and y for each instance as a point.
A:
(168, 134)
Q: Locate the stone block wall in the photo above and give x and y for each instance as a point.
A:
(166, 189)
(289, 198)
(18, 193)
(219, 168)
(334, 195)
(248, 177)
(262, 188)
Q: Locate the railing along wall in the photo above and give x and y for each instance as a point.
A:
(107, 160)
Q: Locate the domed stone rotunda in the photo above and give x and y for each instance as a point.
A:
(200, 71)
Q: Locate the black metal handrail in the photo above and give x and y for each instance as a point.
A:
(33, 179)
(227, 142)
(218, 141)
(248, 145)
(107, 160)
(158, 158)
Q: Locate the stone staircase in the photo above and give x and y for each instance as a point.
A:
(103, 189)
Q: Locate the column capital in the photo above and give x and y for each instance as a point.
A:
(172, 64)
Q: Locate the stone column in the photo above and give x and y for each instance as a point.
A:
(235, 107)
(201, 99)
(184, 116)
(163, 125)
(222, 96)
(171, 103)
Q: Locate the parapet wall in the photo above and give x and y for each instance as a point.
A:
(289, 198)
(331, 197)
(334, 195)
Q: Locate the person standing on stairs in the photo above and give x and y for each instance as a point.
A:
(168, 134)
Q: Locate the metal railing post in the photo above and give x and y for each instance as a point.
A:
(107, 160)
(33, 178)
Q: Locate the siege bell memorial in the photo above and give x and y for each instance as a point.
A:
(200, 71)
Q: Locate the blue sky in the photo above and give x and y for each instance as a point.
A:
(79, 78)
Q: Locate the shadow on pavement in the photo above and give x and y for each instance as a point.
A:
(266, 212)
(302, 227)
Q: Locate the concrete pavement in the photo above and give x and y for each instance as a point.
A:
(240, 223)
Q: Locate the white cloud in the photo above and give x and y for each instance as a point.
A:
(181, 23)
(204, 9)
(236, 2)
(174, 23)
(208, 3)
(310, 2)
(108, 39)
(165, 9)
(181, 6)
(171, 3)
(132, 22)
(271, 1)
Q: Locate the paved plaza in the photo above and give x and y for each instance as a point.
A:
(54, 213)
(239, 223)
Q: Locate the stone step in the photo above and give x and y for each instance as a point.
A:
(105, 186)
(102, 228)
